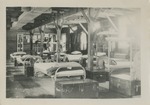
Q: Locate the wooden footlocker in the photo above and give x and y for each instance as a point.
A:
(29, 71)
(76, 89)
(122, 83)
(73, 84)
(98, 75)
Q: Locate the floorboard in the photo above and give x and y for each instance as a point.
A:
(20, 86)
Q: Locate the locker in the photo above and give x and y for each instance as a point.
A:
(29, 71)
(76, 89)
(122, 84)
(98, 75)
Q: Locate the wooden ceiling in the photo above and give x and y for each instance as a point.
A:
(12, 14)
(28, 18)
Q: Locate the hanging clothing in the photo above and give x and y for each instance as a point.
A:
(83, 41)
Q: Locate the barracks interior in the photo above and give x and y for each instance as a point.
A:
(70, 52)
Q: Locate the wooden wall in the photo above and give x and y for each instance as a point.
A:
(11, 42)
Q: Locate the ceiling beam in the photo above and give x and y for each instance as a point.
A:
(49, 19)
(71, 16)
(85, 15)
(113, 24)
(84, 28)
(28, 16)
(77, 21)
(68, 22)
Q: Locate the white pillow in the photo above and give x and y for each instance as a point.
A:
(76, 53)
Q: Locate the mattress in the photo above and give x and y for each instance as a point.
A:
(70, 73)
(42, 67)
(119, 64)
(99, 54)
(62, 56)
(50, 68)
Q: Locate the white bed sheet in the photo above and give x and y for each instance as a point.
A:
(120, 64)
(46, 67)
(42, 67)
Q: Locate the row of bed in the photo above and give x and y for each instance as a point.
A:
(73, 62)
(75, 59)
(71, 67)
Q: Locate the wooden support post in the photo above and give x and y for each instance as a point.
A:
(90, 44)
(41, 46)
(109, 51)
(58, 44)
(131, 59)
(41, 29)
(31, 42)
(37, 46)
(58, 38)
(91, 34)
(58, 24)
(48, 43)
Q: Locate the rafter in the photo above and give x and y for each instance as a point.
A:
(26, 17)
(83, 28)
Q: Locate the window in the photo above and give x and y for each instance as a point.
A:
(63, 41)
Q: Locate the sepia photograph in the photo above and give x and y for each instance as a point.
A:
(73, 52)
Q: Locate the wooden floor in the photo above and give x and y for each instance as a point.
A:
(20, 86)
